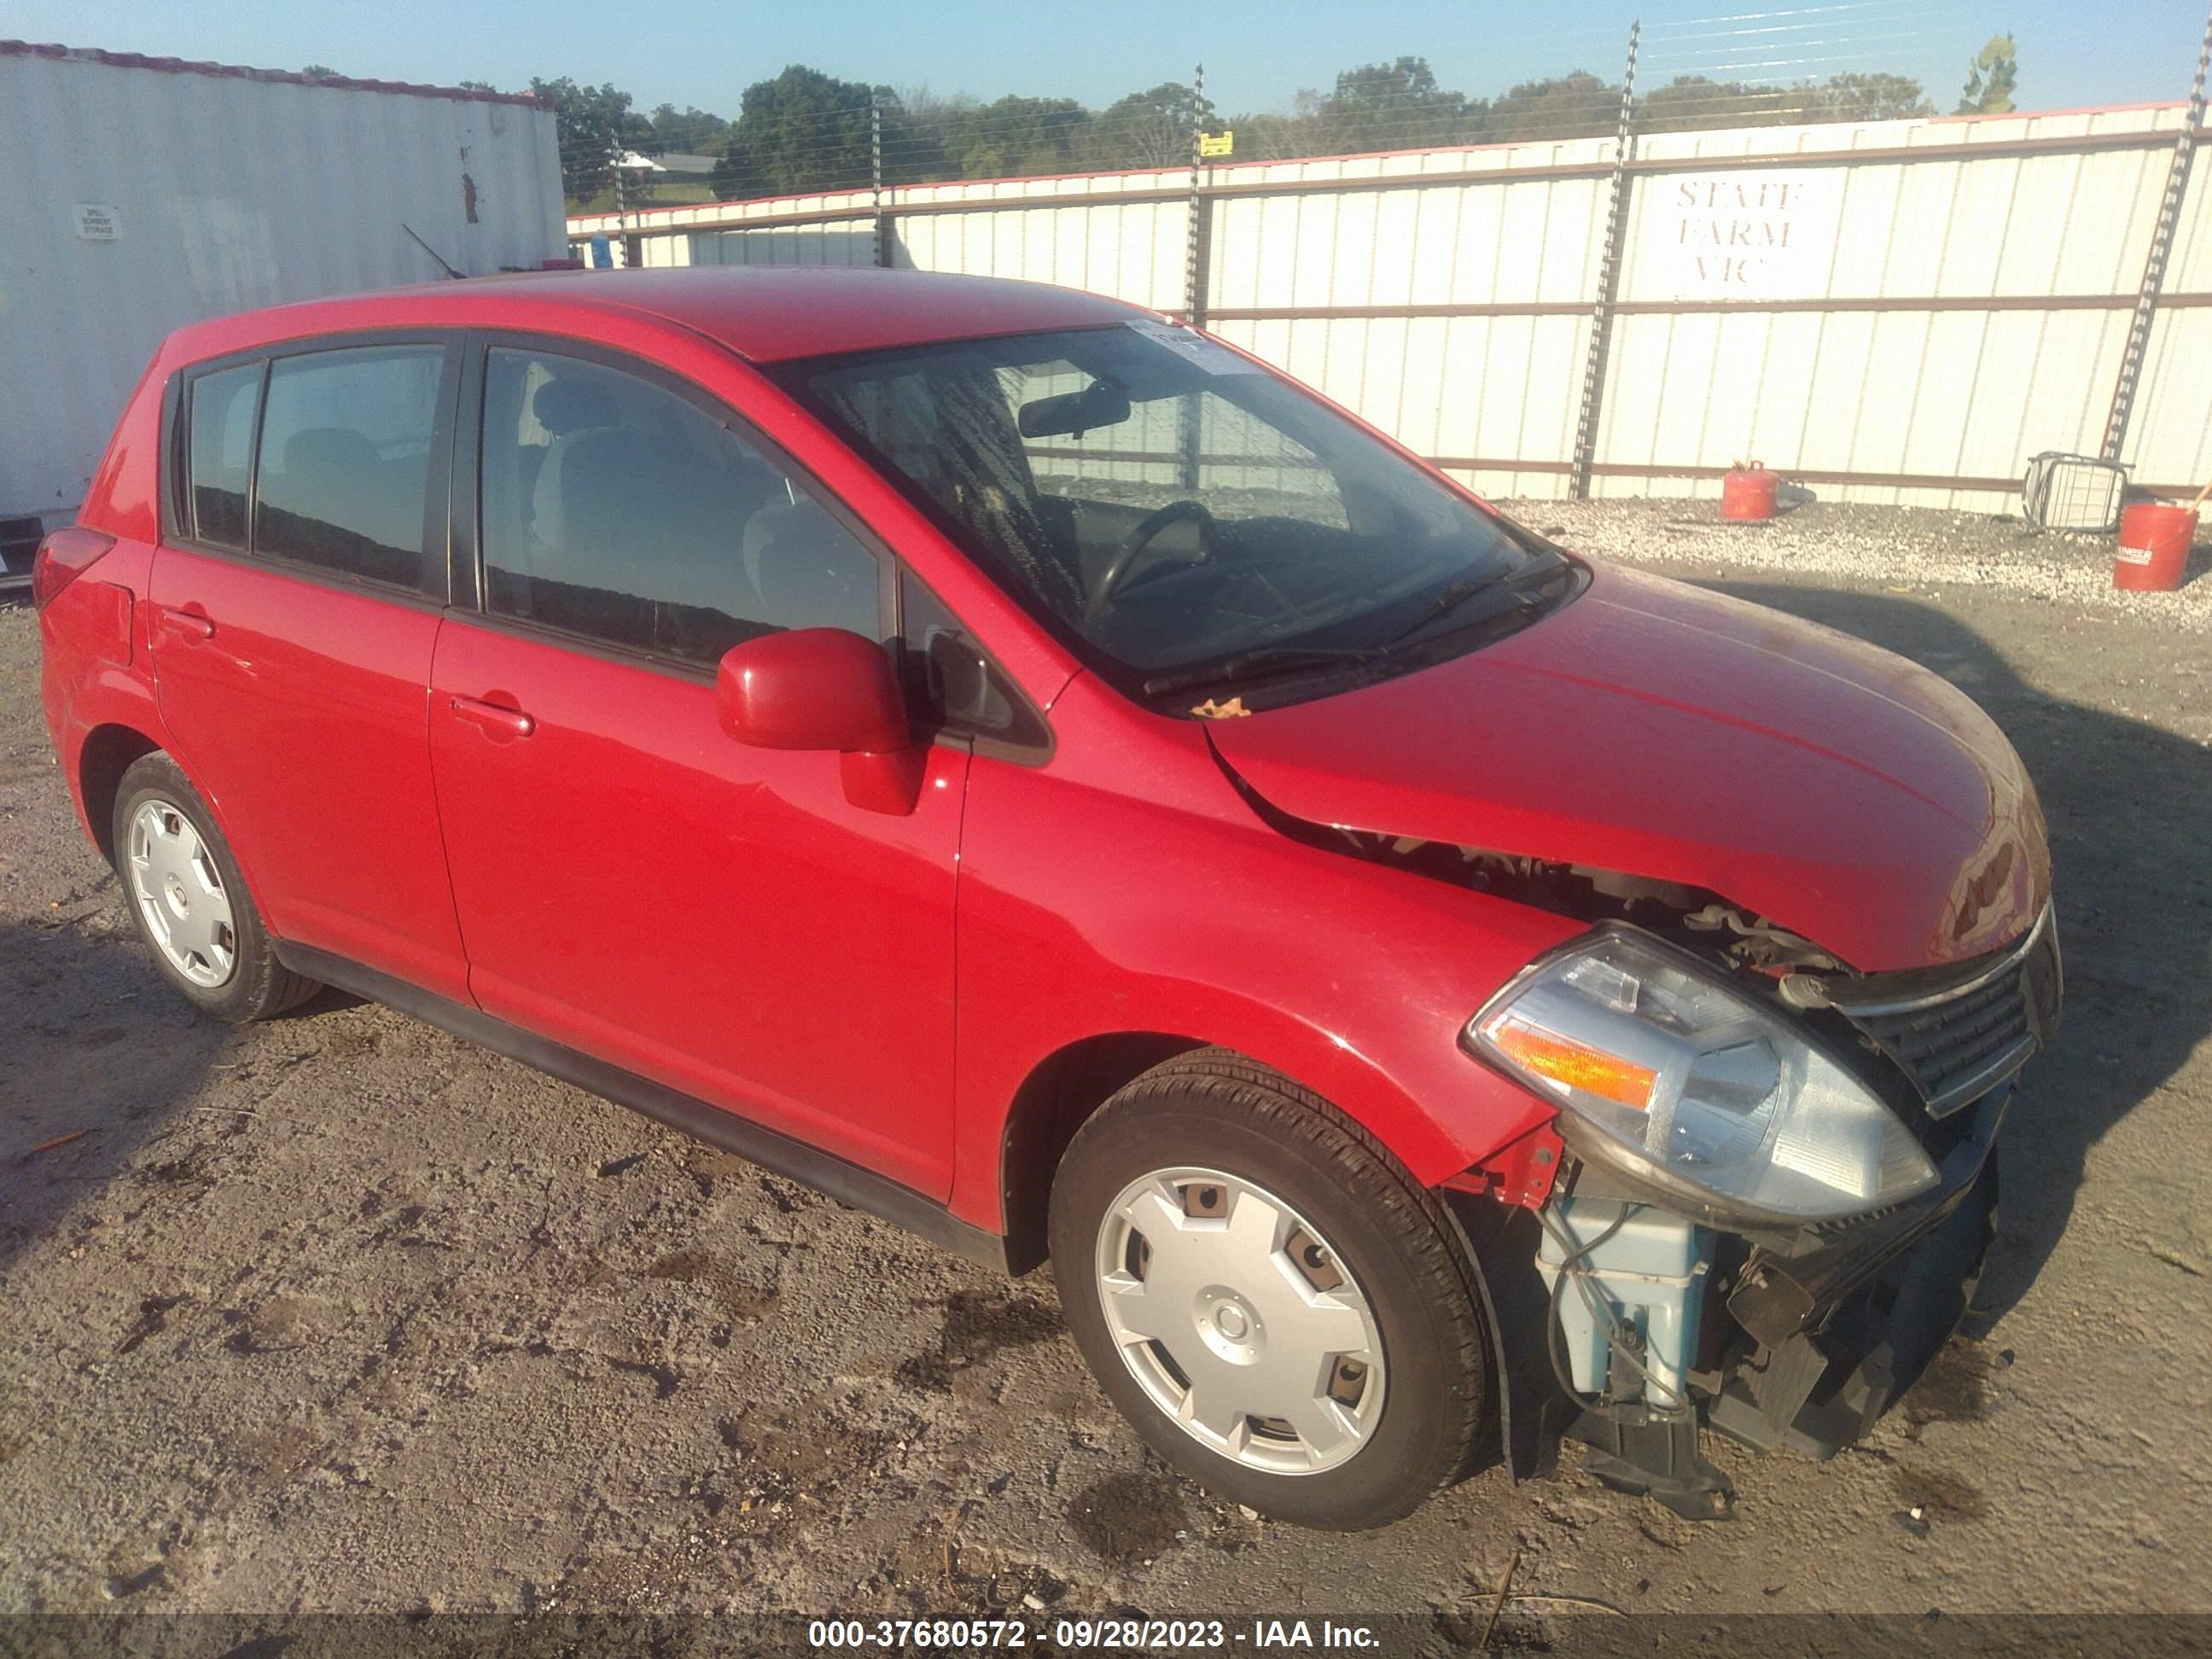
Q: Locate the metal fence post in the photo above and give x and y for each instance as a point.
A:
(1194, 268)
(1608, 280)
(622, 210)
(1194, 272)
(2162, 245)
(876, 173)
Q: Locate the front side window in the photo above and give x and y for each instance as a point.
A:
(614, 509)
(220, 463)
(1168, 505)
(346, 443)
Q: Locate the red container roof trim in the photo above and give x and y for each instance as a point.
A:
(183, 66)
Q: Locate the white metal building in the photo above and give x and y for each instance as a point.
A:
(142, 193)
(1899, 312)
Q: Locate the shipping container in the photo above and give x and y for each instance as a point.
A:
(142, 193)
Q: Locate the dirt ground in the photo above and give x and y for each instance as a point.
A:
(341, 1313)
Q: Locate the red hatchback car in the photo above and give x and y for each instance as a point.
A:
(1039, 774)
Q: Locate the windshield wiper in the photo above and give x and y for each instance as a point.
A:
(1270, 661)
(1453, 594)
(1267, 660)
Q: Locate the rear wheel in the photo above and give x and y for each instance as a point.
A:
(1279, 1307)
(190, 904)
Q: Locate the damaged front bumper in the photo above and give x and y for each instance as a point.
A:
(1630, 1316)
(1887, 1294)
(1797, 1344)
(1810, 1348)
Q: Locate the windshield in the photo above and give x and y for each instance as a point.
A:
(1165, 503)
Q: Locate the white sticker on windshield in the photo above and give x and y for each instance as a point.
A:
(1212, 358)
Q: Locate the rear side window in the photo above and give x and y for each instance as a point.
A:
(221, 460)
(345, 460)
(614, 509)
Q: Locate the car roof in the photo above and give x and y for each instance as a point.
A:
(768, 314)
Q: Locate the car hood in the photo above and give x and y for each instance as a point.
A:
(1659, 730)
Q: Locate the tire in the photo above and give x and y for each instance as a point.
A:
(218, 951)
(1241, 1342)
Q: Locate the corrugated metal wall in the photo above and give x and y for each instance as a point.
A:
(228, 192)
(1899, 312)
(1948, 317)
(1132, 249)
(1453, 314)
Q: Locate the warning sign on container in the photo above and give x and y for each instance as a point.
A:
(1741, 236)
(96, 222)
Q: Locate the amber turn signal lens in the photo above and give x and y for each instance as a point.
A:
(1592, 1070)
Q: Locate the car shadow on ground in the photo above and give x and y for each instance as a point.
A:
(2127, 804)
(103, 1061)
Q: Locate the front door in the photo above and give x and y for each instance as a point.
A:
(630, 881)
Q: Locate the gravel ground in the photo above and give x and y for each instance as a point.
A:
(1877, 549)
(340, 1313)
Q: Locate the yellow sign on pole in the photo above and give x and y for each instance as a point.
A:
(1217, 144)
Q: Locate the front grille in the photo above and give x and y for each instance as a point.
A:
(1955, 1049)
(1957, 1042)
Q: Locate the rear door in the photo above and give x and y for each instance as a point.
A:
(630, 881)
(295, 603)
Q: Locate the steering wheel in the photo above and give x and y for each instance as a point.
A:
(1140, 538)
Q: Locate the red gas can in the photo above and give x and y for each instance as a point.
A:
(2154, 542)
(1747, 492)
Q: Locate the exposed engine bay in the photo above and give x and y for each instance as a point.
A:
(1698, 920)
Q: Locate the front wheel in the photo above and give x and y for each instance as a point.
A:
(1279, 1308)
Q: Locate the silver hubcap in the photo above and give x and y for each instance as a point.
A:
(1240, 1321)
(180, 896)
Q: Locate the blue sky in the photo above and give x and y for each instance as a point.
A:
(707, 51)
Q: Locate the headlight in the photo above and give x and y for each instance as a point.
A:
(1685, 1077)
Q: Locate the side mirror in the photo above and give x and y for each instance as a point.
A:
(823, 688)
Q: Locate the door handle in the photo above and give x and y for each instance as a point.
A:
(191, 623)
(494, 720)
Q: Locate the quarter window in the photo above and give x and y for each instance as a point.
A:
(616, 509)
(222, 459)
(345, 460)
(950, 683)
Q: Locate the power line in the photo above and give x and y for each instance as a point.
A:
(1887, 8)
(1761, 16)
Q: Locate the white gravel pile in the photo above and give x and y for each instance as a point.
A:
(1905, 548)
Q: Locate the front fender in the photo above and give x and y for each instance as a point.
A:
(1087, 911)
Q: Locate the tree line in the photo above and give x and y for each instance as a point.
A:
(804, 130)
